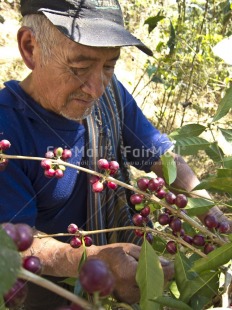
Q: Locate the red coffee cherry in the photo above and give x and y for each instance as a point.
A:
(145, 211)
(210, 221)
(72, 228)
(209, 248)
(4, 144)
(223, 227)
(154, 185)
(97, 187)
(113, 167)
(112, 185)
(75, 242)
(88, 241)
(160, 193)
(199, 240)
(33, 264)
(94, 276)
(25, 236)
(181, 201)
(142, 184)
(136, 199)
(93, 179)
(138, 219)
(164, 219)
(170, 198)
(49, 154)
(59, 173)
(175, 225)
(46, 164)
(66, 154)
(103, 164)
(49, 173)
(16, 295)
(171, 247)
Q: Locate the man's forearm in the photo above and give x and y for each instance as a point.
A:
(58, 258)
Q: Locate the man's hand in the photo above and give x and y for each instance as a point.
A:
(61, 260)
(122, 258)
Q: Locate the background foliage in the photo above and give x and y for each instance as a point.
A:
(185, 91)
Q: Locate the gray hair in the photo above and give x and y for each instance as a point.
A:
(45, 33)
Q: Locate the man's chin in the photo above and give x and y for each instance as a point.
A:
(77, 117)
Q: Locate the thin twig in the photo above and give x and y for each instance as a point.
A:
(29, 276)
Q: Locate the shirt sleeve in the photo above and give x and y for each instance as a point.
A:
(17, 196)
(144, 144)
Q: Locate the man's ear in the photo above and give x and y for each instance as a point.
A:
(27, 44)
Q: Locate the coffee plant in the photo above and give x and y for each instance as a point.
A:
(201, 251)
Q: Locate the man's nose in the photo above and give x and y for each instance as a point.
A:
(95, 85)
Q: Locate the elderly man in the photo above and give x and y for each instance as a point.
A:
(72, 99)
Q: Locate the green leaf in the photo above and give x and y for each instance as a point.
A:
(190, 146)
(227, 134)
(159, 244)
(172, 39)
(152, 22)
(172, 303)
(151, 70)
(198, 302)
(169, 168)
(224, 106)
(216, 183)
(139, 206)
(149, 268)
(202, 282)
(214, 259)
(197, 206)
(10, 262)
(2, 304)
(214, 152)
(190, 130)
(227, 161)
(224, 173)
(204, 295)
(182, 266)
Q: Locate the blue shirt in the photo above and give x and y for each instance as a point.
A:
(26, 195)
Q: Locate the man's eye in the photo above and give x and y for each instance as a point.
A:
(78, 71)
(109, 68)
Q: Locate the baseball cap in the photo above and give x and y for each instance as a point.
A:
(96, 23)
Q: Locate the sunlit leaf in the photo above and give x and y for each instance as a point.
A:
(193, 287)
(149, 268)
(190, 145)
(224, 173)
(197, 206)
(10, 262)
(227, 161)
(182, 266)
(151, 69)
(207, 291)
(214, 152)
(190, 130)
(214, 259)
(223, 184)
(227, 134)
(172, 39)
(152, 22)
(172, 303)
(169, 168)
(224, 106)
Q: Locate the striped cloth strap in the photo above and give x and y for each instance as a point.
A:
(109, 208)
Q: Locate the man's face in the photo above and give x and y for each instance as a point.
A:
(73, 78)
